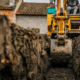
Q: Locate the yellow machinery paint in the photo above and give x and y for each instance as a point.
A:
(60, 28)
(61, 20)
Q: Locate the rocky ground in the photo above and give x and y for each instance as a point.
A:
(24, 55)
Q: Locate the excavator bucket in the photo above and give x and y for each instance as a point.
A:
(61, 53)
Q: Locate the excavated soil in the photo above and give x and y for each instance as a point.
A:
(60, 74)
(24, 55)
(76, 58)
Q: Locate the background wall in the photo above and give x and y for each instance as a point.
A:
(33, 22)
(9, 13)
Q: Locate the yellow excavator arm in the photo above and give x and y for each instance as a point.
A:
(60, 28)
(60, 19)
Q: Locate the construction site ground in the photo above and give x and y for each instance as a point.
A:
(25, 55)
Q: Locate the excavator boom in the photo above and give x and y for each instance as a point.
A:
(60, 28)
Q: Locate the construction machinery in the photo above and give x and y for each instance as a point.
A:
(62, 27)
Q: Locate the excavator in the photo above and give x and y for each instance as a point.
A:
(62, 28)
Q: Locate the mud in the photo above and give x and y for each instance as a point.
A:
(24, 55)
(76, 58)
(60, 74)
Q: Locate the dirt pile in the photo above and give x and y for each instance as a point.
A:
(33, 49)
(9, 58)
(23, 52)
